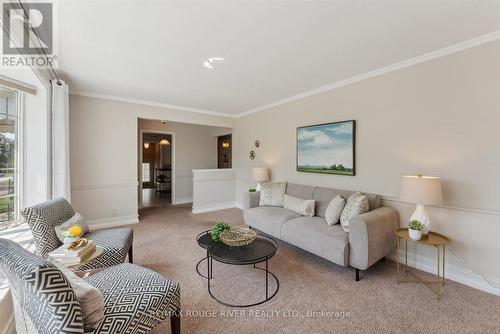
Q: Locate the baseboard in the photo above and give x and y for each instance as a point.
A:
(183, 200)
(239, 205)
(452, 272)
(112, 222)
(214, 207)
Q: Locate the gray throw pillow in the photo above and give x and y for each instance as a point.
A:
(334, 210)
(272, 194)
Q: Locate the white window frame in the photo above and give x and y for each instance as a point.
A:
(20, 150)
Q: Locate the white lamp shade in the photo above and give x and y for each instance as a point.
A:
(425, 190)
(260, 174)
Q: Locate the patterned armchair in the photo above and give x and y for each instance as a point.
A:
(136, 299)
(43, 218)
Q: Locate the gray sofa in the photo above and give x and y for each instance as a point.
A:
(370, 236)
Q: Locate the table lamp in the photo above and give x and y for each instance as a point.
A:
(260, 174)
(421, 190)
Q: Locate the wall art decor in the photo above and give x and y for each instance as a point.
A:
(327, 148)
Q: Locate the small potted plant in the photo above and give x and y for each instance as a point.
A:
(217, 229)
(415, 229)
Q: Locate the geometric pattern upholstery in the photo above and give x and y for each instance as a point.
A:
(43, 299)
(43, 218)
(115, 243)
(136, 299)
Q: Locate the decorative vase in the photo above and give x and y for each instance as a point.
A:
(415, 234)
(68, 240)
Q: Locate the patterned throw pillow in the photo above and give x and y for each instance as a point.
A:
(272, 194)
(356, 204)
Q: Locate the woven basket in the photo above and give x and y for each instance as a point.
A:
(238, 236)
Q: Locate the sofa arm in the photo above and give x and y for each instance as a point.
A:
(371, 236)
(251, 200)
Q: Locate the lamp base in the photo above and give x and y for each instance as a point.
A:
(422, 217)
(258, 186)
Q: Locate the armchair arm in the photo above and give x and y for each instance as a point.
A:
(371, 236)
(251, 200)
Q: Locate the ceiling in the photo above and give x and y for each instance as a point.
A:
(154, 50)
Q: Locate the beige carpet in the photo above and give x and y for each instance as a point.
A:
(165, 241)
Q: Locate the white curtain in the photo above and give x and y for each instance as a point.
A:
(60, 140)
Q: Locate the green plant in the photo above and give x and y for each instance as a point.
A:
(217, 229)
(252, 190)
(416, 225)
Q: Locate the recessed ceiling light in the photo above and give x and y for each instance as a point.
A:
(210, 62)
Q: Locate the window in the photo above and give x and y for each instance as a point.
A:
(9, 160)
(146, 172)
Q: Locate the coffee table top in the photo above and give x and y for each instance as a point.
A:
(259, 250)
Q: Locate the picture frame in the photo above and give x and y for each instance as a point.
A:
(327, 148)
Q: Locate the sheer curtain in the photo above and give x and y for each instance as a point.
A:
(60, 140)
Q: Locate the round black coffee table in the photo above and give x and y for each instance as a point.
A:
(260, 250)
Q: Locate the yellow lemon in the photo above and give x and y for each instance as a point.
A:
(75, 230)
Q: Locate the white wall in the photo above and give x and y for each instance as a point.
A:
(104, 153)
(439, 118)
(195, 148)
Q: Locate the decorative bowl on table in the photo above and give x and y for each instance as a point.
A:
(238, 236)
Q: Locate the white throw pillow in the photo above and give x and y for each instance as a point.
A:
(77, 219)
(356, 204)
(304, 207)
(90, 298)
(334, 210)
(272, 194)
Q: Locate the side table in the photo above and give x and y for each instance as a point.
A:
(437, 240)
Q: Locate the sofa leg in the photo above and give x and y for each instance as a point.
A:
(357, 275)
(175, 323)
(130, 255)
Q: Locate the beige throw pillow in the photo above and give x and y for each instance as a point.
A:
(304, 207)
(356, 204)
(90, 298)
(272, 194)
(334, 210)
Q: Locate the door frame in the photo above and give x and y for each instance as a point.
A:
(139, 162)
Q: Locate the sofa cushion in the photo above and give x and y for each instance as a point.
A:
(300, 191)
(268, 219)
(323, 197)
(314, 235)
(374, 200)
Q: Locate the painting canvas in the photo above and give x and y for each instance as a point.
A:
(326, 148)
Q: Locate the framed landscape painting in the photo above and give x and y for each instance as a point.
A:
(327, 148)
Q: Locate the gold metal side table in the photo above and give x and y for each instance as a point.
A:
(434, 239)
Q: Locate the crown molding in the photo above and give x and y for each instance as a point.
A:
(490, 37)
(486, 38)
(148, 103)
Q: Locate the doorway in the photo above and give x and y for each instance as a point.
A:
(156, 168)
(224, 149)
